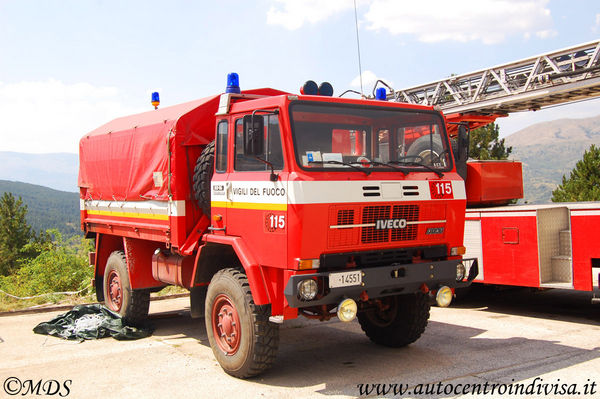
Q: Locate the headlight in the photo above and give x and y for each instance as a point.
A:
(307, 289)
(444, 297)
(461, 271)
(347, 310)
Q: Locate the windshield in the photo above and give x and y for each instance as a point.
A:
(346, 137)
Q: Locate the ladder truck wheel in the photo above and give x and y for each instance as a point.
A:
(132, 305)
(398, 321)
(424, 148)
(203, 173)
(241, 336)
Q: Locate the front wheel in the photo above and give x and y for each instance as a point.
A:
(397, 320)
(241, 336)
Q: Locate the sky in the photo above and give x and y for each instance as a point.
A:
(68, 66)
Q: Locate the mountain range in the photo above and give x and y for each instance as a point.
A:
(550, 150)
(56, 170)
(47, 208)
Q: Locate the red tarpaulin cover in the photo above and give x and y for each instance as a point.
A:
(127, 158)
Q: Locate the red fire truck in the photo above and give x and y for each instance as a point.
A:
(268, 205)
(541, 246)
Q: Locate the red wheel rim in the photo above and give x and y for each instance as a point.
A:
(114, 299)
(226, 326)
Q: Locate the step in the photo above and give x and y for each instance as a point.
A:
(564, 239)
(561, 269)
(557, 284)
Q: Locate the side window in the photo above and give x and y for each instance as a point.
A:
(221, 150)
(273, 152)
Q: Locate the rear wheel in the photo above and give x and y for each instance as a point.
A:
(241, 336)
(118, 296)
(397, 321)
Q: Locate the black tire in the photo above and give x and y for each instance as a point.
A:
(132, 305)
(402, 324)
(422, 147)
(203, 172)
(255, 349)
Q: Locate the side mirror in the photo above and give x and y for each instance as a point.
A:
(463, 141)
(461, 151)
(254, 135)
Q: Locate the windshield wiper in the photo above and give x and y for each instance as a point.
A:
(389, 165)
(332, 162)
(414, 163)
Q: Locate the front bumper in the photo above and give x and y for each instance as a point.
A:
(383, 281)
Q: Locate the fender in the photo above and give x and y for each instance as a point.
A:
(254, 271)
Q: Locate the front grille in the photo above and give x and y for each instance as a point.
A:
(382, 212)
(359, 216)
(411, 214)
(371, 214)
(345, 216)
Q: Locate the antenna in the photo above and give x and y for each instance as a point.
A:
(358, 49)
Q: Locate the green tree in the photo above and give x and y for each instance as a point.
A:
(583, 183)
(61, 265)
(15, 233)
(485, 143)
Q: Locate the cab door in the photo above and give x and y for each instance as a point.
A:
(256, 195)
(220, 178)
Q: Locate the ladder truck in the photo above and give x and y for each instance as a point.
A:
(268, 205)
(541, 246)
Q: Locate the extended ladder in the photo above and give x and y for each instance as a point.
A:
(553, 78)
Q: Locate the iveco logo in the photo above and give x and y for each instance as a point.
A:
(384, 224)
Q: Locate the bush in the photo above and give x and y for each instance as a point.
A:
(60, 266)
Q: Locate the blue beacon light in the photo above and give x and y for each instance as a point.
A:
(155, 100)
(381, 94)
(233, 83)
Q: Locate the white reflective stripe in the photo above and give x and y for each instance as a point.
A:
(258, 192)
(177, 208)
(346, 191)
(585, 213)
(171, 208)
(350, 226)
(571, 205)
(458, 187)
(81, 204)
(426, 222)
(507, 214)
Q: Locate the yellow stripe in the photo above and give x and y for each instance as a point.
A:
(249, 205)
(129, 215)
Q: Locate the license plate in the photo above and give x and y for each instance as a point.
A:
(345, 279)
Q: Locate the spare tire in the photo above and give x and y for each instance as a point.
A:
(422, 147)
(203, 173)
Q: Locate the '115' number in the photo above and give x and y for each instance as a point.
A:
(440, 189)
(277, 221)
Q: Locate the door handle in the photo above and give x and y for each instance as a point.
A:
(228, 191)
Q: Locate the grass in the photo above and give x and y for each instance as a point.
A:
(170, 290)
(8, 304)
